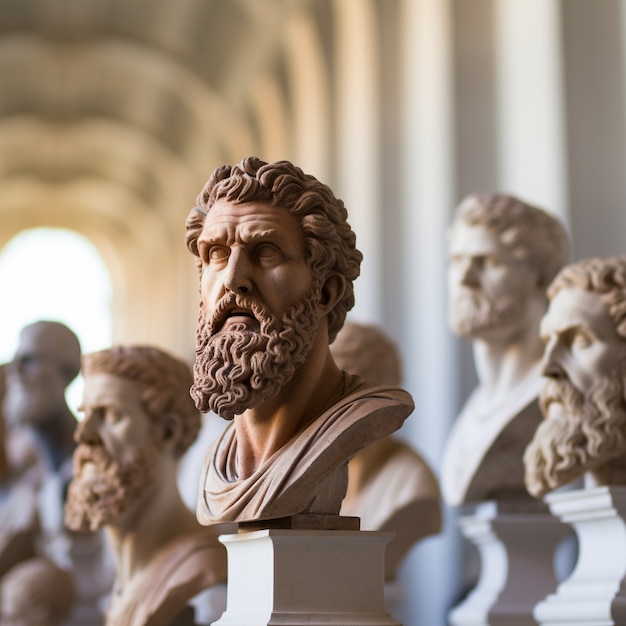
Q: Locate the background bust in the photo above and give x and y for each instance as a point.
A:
(583, 398)
(36, 592)
(503, 254)
(138, 420)
(390, 486)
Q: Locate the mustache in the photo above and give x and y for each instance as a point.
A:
(85, 453)
(561, 391)
(230, 301)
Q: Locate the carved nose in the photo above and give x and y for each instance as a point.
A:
(469, 275)
(550, 363)
(87, 432)
(238, 273)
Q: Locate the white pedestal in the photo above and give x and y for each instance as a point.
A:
(594, 594)
(297, 577)
(516, 543)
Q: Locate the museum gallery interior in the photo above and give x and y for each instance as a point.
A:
(471, 402)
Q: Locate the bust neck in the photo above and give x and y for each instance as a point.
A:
(504, 364)
(149, 525)
(263, 430)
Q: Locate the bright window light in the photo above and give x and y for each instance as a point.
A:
(58, 275)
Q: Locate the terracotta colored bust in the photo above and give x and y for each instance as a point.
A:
(503, 254)
(584, 365)
(390, 486)
(36, 593)
(138, 421)
(277, 262)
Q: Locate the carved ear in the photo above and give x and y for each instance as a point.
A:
(169, 427)
(332, 292)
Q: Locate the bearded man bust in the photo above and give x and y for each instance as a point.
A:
(503, 254)
(277, 261)
(584, 364)
(138, 420)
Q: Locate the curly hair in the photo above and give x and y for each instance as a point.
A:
(531, 234)
(605, 276)
(329, 240)
(164, 383)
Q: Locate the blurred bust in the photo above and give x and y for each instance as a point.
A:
(36, 592)
(503, 254)
(46, 361)
(584, 364)
(18, 515)
(390, 486)
(138, 420)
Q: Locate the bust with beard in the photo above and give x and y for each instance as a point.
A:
(277, 259)
(503, 254)
(584, 364)
(138, 420)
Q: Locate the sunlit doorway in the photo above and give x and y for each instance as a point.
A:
(54, 274)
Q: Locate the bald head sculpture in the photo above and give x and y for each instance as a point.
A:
(36, 592)
(46, 361)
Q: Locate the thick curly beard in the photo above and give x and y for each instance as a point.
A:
(589, 433)
(472, 313)
(238, 369)
(100, 499)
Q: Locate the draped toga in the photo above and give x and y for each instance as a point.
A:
(301, 477)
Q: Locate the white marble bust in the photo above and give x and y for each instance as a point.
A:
(584, 365)
(503, 254)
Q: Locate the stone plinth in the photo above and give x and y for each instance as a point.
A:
(313, 577)
(516, 542)
(594, 594)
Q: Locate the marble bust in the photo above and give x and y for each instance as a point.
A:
(503, 254)
(36, 592)
(138, 420)
(390, 486)
(584, 369)
(277, 261)
(46, 361)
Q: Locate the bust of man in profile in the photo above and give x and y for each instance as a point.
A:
(277, 261)
(584, 364)
(503, 254)
(138, 421)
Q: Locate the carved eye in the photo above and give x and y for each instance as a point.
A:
(216, 254)
(268, 254)
(112, 415)
(581, 340)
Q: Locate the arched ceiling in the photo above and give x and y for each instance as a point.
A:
(143, 95)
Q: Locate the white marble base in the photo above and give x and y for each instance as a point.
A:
(297, 577)
(595, 593)
(516, 543)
